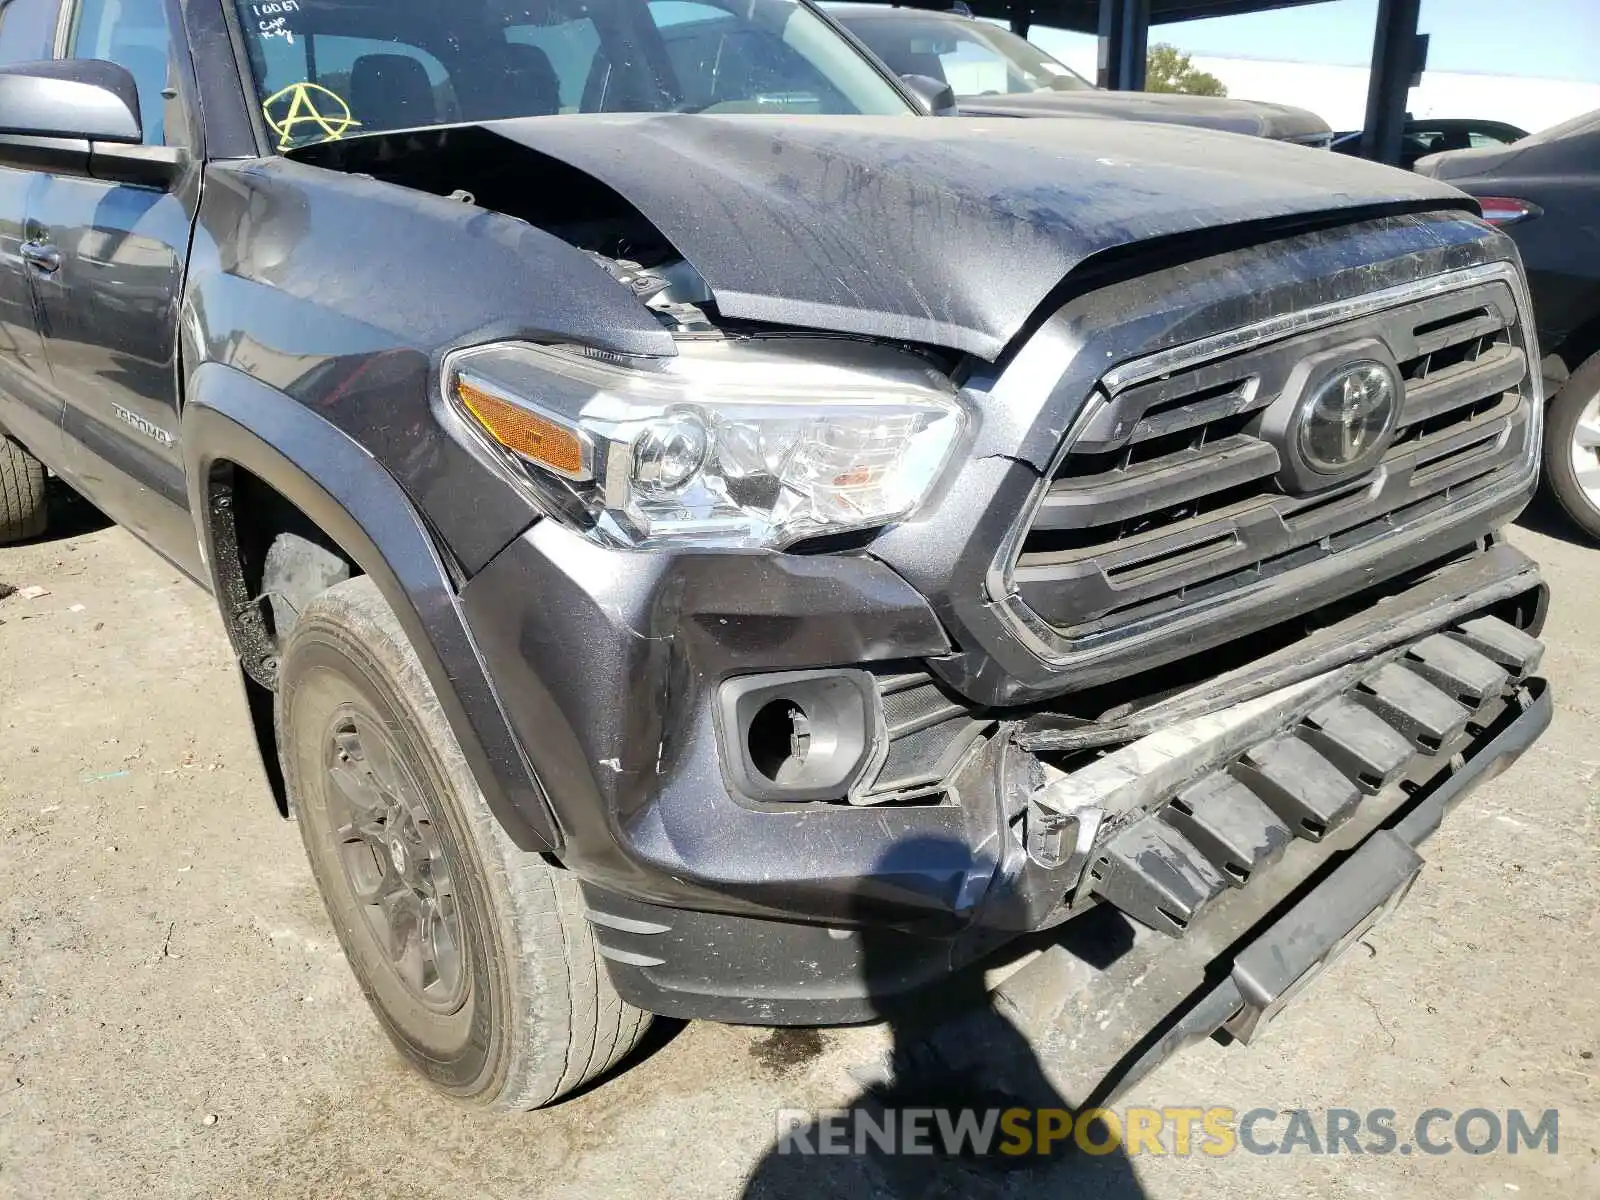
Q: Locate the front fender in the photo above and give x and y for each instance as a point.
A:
(231, 418)
(347, 294)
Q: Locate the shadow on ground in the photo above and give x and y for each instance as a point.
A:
(70, 514)
(1546, 517)
(991, 1070)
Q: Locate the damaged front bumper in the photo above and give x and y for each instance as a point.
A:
(1100, 1021)
(1202, 810)
(1163, 826)
(1169, 851)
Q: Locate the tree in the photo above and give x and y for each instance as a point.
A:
(1168, 69)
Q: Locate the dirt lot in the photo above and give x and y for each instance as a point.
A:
(176, 1019)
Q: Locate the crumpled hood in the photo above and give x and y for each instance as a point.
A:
(1252, 117)
(937, 230)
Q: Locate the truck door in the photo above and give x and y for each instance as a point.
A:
(108, 294)
(30, 410)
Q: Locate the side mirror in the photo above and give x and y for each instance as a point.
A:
(933, 96)
(80, 99)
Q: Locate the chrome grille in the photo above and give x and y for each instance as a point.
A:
(1165, 497)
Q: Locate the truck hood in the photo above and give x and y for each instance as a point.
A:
(949, 232)
(1207, 112)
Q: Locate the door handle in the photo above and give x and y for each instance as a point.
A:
(42, 255)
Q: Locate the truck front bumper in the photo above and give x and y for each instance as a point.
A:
(708, 904)
(1249, 955)
(1161, 910)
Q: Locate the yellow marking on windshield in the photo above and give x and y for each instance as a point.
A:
(307, 103)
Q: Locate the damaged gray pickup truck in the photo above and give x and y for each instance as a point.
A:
(703, 537)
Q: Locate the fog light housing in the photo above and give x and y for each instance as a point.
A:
(798, 735)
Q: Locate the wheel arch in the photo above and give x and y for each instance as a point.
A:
(247, 443)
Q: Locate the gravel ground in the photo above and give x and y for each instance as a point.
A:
(176, 1018)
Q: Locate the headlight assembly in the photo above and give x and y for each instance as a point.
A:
(754, 443)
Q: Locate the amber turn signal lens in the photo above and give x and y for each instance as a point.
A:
(538, 439)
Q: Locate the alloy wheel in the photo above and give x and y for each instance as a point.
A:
(385, 840)
(1585, 451)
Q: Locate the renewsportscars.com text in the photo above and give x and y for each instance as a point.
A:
(1179, 1131)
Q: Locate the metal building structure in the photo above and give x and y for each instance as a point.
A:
(1399, 52)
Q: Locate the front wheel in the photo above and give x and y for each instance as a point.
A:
(1572, 447)
(473, 954)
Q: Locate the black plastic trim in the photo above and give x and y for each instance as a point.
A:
(231, 418)
(844, 729)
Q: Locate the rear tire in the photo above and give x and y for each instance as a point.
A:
(474, 955)
(22, 493)
(1572, 447)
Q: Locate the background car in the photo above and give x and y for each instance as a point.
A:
(1545, 190)
(995, 73)
(1436, 135)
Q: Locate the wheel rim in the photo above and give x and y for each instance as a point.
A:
(1585, 451)
(384, 839)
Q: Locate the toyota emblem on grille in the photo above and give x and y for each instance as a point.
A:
(1343, 425)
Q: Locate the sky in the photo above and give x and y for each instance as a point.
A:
(1549, 39)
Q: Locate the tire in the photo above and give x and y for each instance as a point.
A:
(499, 997)
(22, 493)
(1574, 417)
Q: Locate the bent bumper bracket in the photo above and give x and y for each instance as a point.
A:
(1098, 1027)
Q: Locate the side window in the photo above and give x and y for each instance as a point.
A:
(974, 69)
(731, 63)
(27, 30)
(570, 47)
(132, 34)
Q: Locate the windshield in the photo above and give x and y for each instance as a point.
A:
(327, 69)
(975, 59)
